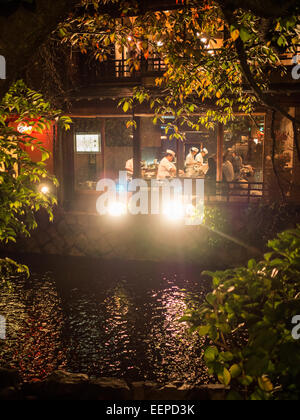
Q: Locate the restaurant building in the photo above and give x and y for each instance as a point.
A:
(99, 144)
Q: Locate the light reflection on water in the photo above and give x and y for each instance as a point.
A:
(115, 326)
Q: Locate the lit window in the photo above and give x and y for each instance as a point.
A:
(88, 143)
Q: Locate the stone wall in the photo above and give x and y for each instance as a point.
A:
(63, 385)
(136, 238)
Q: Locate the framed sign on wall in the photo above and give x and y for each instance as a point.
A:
(88, 143)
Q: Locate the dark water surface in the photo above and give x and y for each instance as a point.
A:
(104, 319)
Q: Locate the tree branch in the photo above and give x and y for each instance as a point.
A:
(262, 97)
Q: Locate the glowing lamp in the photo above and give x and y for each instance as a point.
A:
(117, 209)
(24, 128)
(174, 210)
(44, 189)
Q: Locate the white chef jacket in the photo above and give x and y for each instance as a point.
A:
(164, 169)
(129, 166)
(190, 160)
(199, 159)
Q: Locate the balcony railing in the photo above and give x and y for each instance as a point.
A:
(113, 70)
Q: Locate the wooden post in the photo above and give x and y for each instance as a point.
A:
(103, 147)
(137, 151)
(220, 144)
(66, 167)
(180, 156)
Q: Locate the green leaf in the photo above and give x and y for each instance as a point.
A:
(211, 354)
(225, 377)
(235, 371)
(45, 156)
(203, 331)
(244, 34)
(226, 356)
(211, 299)
(126, 106)
(265, 384)
(246, 380)
(234, 396)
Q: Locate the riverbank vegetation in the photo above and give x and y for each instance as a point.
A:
(247, 319)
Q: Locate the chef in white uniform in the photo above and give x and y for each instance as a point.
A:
(200, 156)
(129, 168)
(166, 168)
(190, 162)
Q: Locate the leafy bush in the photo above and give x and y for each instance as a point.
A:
(248, 321)
(20, 176)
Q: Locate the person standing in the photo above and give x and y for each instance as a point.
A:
(190, 162)
(237, 164)
(200, 157)
(166, 168)
(211, 177)
(228, 171)
(129, 168)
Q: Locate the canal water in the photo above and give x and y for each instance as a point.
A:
(116, 319)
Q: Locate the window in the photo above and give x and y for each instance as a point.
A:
(88, 153)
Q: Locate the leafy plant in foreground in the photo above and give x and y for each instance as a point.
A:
(248, 319)
(20, 176)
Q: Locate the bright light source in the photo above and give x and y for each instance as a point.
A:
(160, 44)
(117, 209)
(24, 128)
(202, 38)
(190, 210)
(174, 210)
(130, 38)
(256, 141)
(45, 189)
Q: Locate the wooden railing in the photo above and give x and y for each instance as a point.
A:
(113, 70)
(238, 192)
(234, 191)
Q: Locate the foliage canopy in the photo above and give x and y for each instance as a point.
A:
(218, 59)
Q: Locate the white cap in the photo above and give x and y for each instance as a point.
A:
(194, 149)
(205, 151)
(170, 152)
